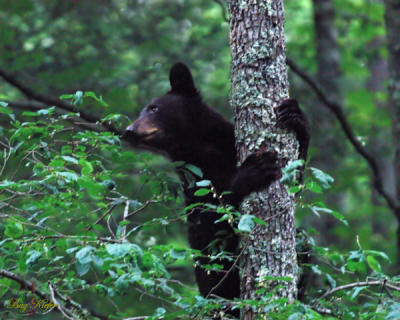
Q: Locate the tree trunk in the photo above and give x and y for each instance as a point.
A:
(328, 75)
(328, 56)
(392, 29)
(259, 83)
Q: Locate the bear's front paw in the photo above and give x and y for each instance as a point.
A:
(290, 115)
(261, 169)
(258, 171)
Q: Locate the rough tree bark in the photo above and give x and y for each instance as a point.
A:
(259, 83)
(392, 15)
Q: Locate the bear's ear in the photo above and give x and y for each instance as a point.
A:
(181, 79)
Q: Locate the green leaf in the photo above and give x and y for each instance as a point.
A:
(14, 230)
(246, 223)
(202, 192)
(82, 268)
(313, 187)
(33, 256)
(203, 183)
(78, 98)
(87, 167)
(68, 176)
(66, 96)
(394, 311)
(84, 255)
(159, 312)
(177, 254)
(331, 281)
(4, 104)
(260, 221)
(120, 250)
(374, 264)
(193, 169)
(323, 178)
(290, 171)
(294, 189)
(70, 159)
(356, 291)
(376, 253)
(317, 210)
(4, 109)
(98, 99)
(94, 189)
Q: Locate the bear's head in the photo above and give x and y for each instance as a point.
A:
(180, 124)
(170, 120)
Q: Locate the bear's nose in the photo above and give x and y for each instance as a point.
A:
(130, 131)
(132, 128)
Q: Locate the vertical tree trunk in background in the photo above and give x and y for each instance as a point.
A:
(392, 17)
(328, 56)
(259, 83)
(378, 144)
(328, 75)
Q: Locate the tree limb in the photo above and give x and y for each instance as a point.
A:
(26, 105)
(51, 101)
(338, 112)
(25, 284)
(384, 283)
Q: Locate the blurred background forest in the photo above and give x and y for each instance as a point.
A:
(122, 50)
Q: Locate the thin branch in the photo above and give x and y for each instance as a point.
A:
(65, 312)
(384, 283)
(145, 205)
(338, 112)
(124, 218)
(102, 217)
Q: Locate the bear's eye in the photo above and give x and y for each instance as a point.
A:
(153, 109)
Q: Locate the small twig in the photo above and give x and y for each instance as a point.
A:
(145, 205)
(124, 218)
(109, 227)
(238, 257)
(230, 269)
(102, 217)
(66, 313)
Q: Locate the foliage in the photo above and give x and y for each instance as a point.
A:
(104, 224)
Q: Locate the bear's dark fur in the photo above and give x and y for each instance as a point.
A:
(184, 127)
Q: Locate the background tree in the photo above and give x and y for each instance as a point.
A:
(328, 76)
(392, 27)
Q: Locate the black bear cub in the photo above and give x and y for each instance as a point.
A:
(181, 125)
